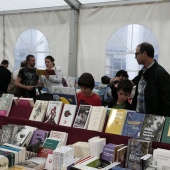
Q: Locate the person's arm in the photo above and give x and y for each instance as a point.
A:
(18, 84)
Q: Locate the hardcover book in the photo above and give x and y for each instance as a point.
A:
(82, 117)
(39, 110)
(166, 131)
(116, 121)
(68, 115)
(133, 124)
(152, 127)
(5, 104)
(40, 72)
(97, 118)
(53, 112)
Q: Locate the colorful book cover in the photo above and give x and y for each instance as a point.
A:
(133, 124)
(53, 112)
(51, 143)
(82, 117)
(152, 127)
(39, 136)
(166, 131)
(67, 115)
(116, 121)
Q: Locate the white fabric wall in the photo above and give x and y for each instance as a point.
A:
(97, 25)
(54, 25)
(1, 38)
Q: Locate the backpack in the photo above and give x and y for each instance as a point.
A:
(12, 89)
(103, 93)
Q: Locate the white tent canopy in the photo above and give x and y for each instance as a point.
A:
(78, 32)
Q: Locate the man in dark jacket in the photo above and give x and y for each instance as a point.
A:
(5, 76)
(152, 94)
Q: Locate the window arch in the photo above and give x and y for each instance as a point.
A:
(121, 47)
(31, 41)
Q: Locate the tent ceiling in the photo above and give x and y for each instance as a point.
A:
(13, 5)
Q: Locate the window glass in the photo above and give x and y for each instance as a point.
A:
(121, 47)
(33, 42)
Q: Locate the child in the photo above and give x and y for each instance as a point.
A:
(104, 90)
(124, 90)
(86, 96)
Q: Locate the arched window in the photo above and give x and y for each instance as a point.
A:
(33, 42)
(121, 47)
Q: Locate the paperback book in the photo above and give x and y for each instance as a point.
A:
(82, 117)
(152, 127)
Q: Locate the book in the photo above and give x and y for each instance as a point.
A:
(36, 163)
(161, 159)
(22, 150)
(97, 118)
(71, 81)
(49, 162)
(66, 94)
(108, 152)
(53, 112)
(5, 104)
(67, 115)
(133, 124)
(121, 156)
(146, 161)
(136, 149)
(3, 162)
(82, 116)
(40, 72)
(39, 136)
(116, 121)
(152, 127)
(166, 131)
(59, 135)
(62, 155)
(39, 110)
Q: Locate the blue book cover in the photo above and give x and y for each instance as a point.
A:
(67, 98)
(133, 124)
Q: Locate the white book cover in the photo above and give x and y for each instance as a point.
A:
(82, 117)
(67, 115)
(49, 162)
(39, 110)
(5, 104)
(59, 135)
(53, 112)
(4, 162)
(97, 118)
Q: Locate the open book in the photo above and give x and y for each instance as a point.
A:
(44, 72)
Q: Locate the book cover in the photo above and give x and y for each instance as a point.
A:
(136, 149)
(116, 121)
(97, 118)
(146, 161)
(82, 117)
(27, 102)
(166, 131)
(39, 110)
(39, 136)
(68, 115)
(121, 155)
(68, 98)
(53, 112)
(108, 152)
(5, 104)
(51, 143)
(152, 127)
(59, 135)
(133, 124)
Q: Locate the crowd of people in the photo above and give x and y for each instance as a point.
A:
(152, 95)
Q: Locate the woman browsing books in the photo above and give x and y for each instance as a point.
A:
(53, 76)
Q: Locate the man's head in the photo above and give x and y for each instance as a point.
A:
(105, 80)
(122, 73)
(86, 83)
(124, 90)
(144, 53)
(5, 63)
(30, 60)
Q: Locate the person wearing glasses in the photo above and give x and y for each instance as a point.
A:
(152, 95)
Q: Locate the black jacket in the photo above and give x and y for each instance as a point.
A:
(157, 90)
